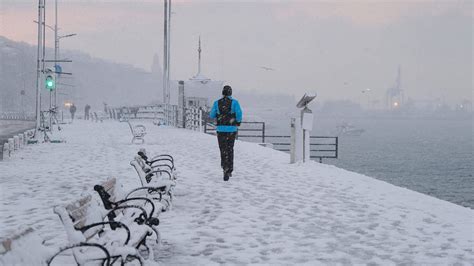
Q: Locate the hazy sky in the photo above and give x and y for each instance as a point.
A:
(336, 48)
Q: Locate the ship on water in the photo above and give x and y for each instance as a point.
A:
(346, 129)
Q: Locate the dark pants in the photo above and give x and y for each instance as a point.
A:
(226, 145)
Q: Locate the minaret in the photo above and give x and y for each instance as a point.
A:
(199, 77)
(199, 57)
(398, 82)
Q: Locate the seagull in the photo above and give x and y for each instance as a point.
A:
(267, 68)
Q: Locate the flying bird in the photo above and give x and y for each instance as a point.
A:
(267, 68)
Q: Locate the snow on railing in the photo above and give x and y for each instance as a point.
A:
(17, 116)
(194, 119)
(14, 144)
(160, 114)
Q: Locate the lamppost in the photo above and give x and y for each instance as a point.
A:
(39, 60)
(166, 51)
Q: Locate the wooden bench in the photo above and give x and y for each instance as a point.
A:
(106, 236)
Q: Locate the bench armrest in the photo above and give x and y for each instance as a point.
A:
(141, 219)
(139, 198)
(155, 171)
(95, 245)
(113, 225)
(153, 161)
(162, 165)
(150, 190)
(162, 155)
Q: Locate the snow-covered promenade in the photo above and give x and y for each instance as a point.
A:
(270, 212)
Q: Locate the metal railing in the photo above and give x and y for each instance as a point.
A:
(282, 144)
(327, 147)
(193, 116)
(165, 114)
(321, 147)
(17, 116)
(210, 128)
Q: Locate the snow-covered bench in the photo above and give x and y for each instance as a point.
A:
(93, 235)
(135, 199)
(157, 170)
(24, 247)
(138, 132)
(162, 162)
(154, 178)
(98, 117)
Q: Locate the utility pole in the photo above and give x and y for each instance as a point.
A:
(169, 54)
(39, 76)
(166, 51)
(56, 48)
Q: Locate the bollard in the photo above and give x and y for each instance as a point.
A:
(27, 136)
(6, 150)
(10, 146)
(16, 143)
(22, 140)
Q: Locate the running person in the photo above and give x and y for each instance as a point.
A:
(228, 113)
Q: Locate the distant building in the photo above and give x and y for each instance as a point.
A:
(465, 106)
(199, 90)
(394, 95)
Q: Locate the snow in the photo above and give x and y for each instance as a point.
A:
(27, 250)
(270, 212)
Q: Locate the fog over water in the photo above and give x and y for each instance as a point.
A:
(430, 155)
(335, 48)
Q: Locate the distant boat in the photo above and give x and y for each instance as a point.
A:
(346, 129)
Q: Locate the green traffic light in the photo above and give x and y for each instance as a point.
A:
(50, 83)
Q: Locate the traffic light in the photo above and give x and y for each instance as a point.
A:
(50, 83)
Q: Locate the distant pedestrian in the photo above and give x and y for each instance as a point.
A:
(134, 111)
(72, 110)
(86, 111)
(228, 113)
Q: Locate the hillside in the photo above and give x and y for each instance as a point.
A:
(93, 82)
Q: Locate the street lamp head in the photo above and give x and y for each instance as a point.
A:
(50, 27)
(68, 35)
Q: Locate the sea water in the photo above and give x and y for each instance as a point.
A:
(431, 156)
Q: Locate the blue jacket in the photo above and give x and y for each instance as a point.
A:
(234, 108)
